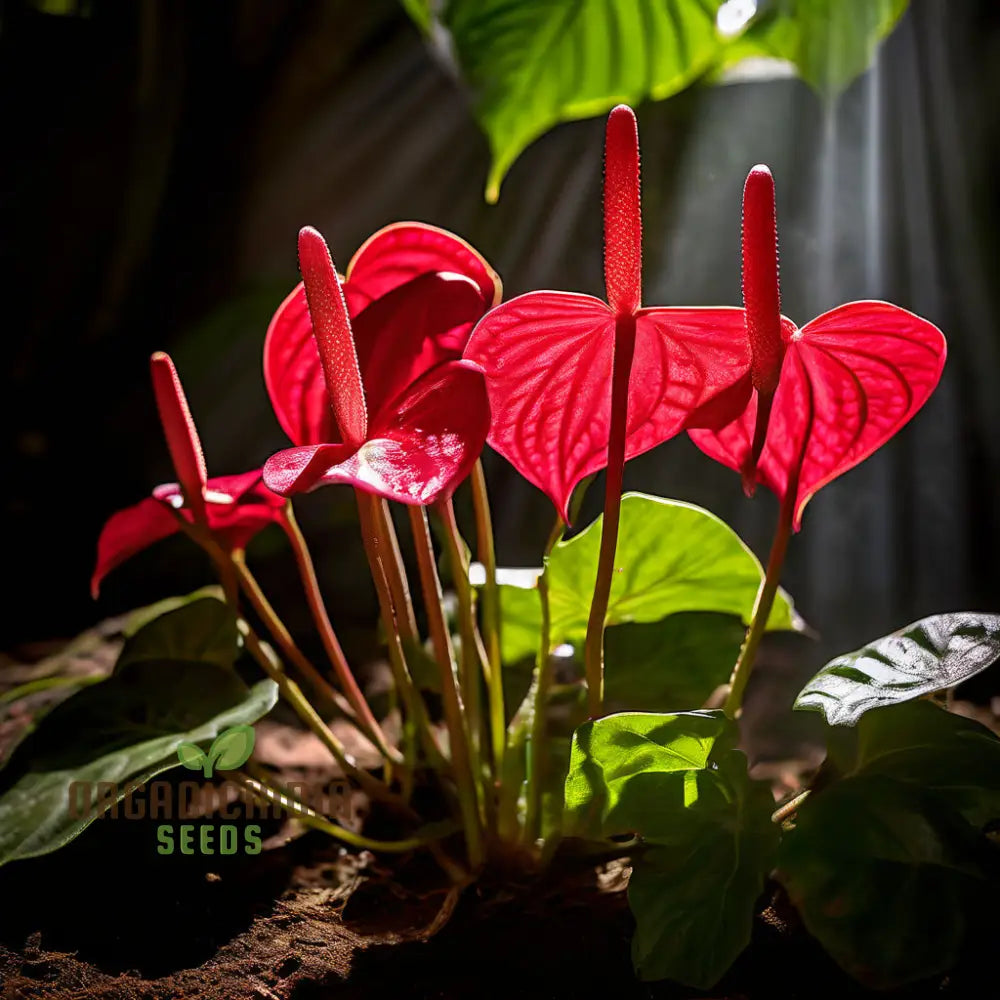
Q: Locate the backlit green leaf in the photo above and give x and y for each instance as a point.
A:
(672, 556)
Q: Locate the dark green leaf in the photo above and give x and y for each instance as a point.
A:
(693, 892)
(199, 631)
(531, 65)
(931, 655)
(883, 873)
(141, 617)
(671, 664)
(922, 743)
(127, 728)
(671, 557)
(829, 42)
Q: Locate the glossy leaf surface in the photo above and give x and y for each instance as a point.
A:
(930, 655)
(708, 841)
(125, 729)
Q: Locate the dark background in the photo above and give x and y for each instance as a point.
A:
(159, 158)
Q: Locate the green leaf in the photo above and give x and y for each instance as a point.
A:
(141, 617)
(533, 64)
(521, 622)
(930, 655)
(125, 729)
(675, 663)
(920, 742)
(709, 841)
(615, 760)
(672, 556)
(829, 42)
(420, 12)
(884, 874)
(200, 631)
(191, 756)
(232, 748)
(693, 893)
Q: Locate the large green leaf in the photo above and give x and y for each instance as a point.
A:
(672, 556)
(127, 728)
(709, 843)
(930, 655)
(534, 63)
(921, 743)
(829, 42)
(693, 892)
(884, 874)
(203, 630)
(671, 664)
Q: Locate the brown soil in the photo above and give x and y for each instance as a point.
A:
(107, 917)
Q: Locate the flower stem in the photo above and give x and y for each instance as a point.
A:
(491, 615)
(348, 682)
(469, 672)
(370, 511)
(593, 653)
(292, 693)
(265, 611)
(465, 777)
(762, 609)
(537, 746)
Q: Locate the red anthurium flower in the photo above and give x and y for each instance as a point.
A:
(232, 508)
(549, 356)
(826, 395)
(384, 403)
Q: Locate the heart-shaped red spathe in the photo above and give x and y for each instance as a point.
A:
(232, 508)
(426, 413)
(849, 381)
(823, 397)
(399, 337)
(236, 509)
(547, 357)
(421, 449)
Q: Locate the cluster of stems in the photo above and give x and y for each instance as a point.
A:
(464, 750)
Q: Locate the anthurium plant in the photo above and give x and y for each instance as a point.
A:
(588, 708)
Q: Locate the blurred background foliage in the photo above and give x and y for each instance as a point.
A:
(162, 156)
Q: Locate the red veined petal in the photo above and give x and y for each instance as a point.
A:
(181, 434)
(332, 330)
(412, 329)
(128, 532)
(398, 338)
(622, 218)
(294, 377)
(547, 358)
(427, 448)
(851, 379)
(404, 250)
(251, 507)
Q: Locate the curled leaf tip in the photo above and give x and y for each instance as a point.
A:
(332, 330)
(622, 217)
(761, 292)
(179, 429)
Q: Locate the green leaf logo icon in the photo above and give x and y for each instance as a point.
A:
(230, 749)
